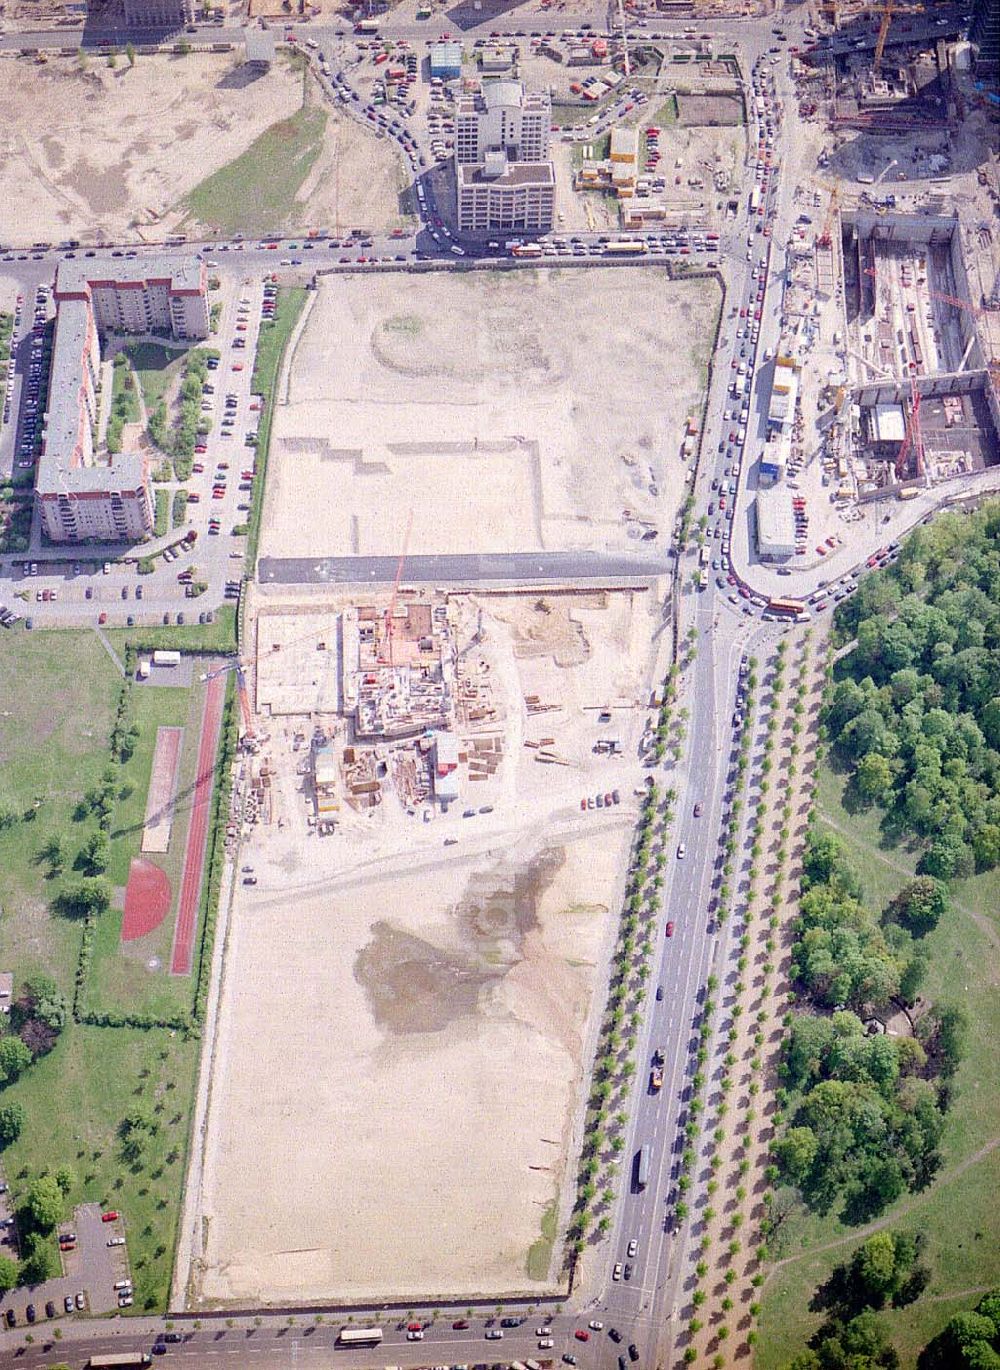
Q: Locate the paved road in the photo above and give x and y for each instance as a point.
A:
(471, 569)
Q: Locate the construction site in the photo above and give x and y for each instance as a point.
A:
(451, 781)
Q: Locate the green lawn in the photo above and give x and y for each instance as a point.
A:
(270, 350)
(156, 367)
(126, 393)
(958, 1212)
(75, 1099)
(60, 693)
(257, 192)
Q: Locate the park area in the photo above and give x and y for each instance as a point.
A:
(957, 1213)
(190, 143)
(488, 385)
(108, 1090)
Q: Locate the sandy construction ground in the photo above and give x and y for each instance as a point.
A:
(89, 152)
(407, 1005)
(508, 412)
(96, 153)
(398, 1066)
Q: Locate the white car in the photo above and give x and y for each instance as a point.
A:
(616, 1274)
(681, 851)
(544, 1343)
(415, 1336)
(116, 1241)
(596, 1325)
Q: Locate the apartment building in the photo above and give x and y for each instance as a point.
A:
(504, 179)
(79, 497)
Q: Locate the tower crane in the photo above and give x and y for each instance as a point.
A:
(913, 440)
(390, 613)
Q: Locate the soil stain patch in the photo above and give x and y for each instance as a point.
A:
(414, 985)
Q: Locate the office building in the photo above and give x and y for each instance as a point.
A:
(79, 498)
(504, 179)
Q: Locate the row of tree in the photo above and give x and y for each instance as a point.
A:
(916, 710)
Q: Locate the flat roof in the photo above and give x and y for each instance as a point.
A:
(775, 519)
(80, 275)
(889, 423)
(517, 174)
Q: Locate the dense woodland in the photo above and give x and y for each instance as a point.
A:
(913, 714)
(865, 1110)
(915, 710)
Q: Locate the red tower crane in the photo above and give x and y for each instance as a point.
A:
(390, 613)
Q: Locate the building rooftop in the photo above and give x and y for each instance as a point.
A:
(507, 93)
(775, 519)
(517, 174)
(78, 276)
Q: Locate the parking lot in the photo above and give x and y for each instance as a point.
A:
(94, 1258)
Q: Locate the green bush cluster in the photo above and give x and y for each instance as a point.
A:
(161, 514)
(915, 712)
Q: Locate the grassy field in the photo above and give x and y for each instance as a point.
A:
(217, 636)
(76, 1098)
(156, 368)
(60, 693)
(125, 393)
(270, 350)
(256, 193)
(958, 1212)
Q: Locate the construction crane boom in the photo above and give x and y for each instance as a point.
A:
(883, 33)
(390, 613)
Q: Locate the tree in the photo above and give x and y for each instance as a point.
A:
(85, 897)
(37, 1264)
(96, 854)
(130, 54)
(873, 778)
(875, 1267)
(14, 1058)
(12, 1118)
(8, 1274)
(920, 905)
(44, 1202)
(796, 1152)
(65, 1179)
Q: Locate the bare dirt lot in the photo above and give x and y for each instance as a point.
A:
(99, 153)
(481, 394)
(416, 991)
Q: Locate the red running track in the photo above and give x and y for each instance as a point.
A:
(201, 807)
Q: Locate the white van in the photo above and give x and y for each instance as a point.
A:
(458, 251)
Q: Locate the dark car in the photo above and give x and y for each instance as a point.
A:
(11, 1317)
(614, 1334)
(628, 1271)
(30, 1313)
(50, 1309)
(172, 1337)
(507, 1322)
(633, 1353)
(68, 1303)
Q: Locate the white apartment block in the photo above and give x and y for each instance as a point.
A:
(79, 498)
(521, 198)
(504, 179)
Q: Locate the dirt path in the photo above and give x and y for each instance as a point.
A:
(858, 1234)
(980, 920)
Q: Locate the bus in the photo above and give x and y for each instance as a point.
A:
(755, 200)
(526, 250)
(703, 555)
(642, 1167)
(625, 247)
(123, 1360)
(359, 1336)
(788, 608)
(366, 26)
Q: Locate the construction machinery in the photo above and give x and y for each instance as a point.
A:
(913, 440)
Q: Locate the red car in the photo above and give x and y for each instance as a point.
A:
(414, 1327)
(110, 1217)
(237, 366)
(670, 929)
(581, 1335)
(459, 1326)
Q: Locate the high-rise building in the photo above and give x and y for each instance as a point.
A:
(504, 179)
(984, 31)
(80, 498)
